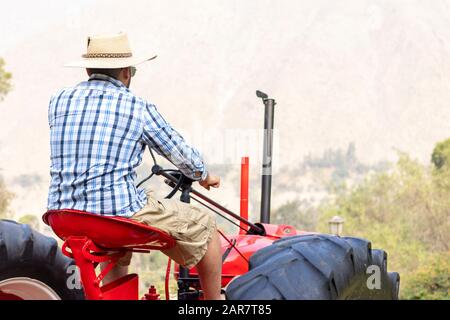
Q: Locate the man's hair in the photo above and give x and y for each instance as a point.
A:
(114, 73)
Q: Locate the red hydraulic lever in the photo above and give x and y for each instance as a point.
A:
(244, 193)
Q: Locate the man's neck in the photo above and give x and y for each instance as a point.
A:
(104, 77)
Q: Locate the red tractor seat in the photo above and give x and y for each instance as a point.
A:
(108, 232)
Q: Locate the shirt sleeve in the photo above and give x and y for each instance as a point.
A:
(161, 137)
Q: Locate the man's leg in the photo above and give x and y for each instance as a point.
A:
(195, 233)
(210, 270)
(114, 274)
(119, 270)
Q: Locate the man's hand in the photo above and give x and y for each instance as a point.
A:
(210, 181)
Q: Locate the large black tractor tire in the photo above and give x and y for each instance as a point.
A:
(316, 267)
(27, 255)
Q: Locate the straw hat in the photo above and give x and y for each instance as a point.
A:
(108, 52)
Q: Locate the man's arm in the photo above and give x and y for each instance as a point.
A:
(167, 142)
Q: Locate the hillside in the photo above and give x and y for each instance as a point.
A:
(375, 73)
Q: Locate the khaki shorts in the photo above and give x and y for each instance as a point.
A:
(191, 227)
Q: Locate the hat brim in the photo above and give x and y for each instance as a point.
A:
(108, 63)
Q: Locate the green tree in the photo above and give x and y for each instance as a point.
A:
(405, 212)
(440, 159)
(441, 154)
(5, 86)
(292, 213)
(31, 220)
(5, 80)
(5, 199)
(431, 281)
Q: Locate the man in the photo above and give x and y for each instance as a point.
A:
(98, 133)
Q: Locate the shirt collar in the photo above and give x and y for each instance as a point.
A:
(103, 77)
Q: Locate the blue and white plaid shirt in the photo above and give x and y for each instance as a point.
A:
(98, 133)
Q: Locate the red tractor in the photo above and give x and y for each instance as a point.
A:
(263, 261)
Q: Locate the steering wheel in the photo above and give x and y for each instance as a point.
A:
(174, 178)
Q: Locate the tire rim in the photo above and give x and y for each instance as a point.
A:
(27, 289)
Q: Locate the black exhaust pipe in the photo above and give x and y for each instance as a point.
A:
(266, 186)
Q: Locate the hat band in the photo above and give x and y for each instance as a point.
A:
(107, 55)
